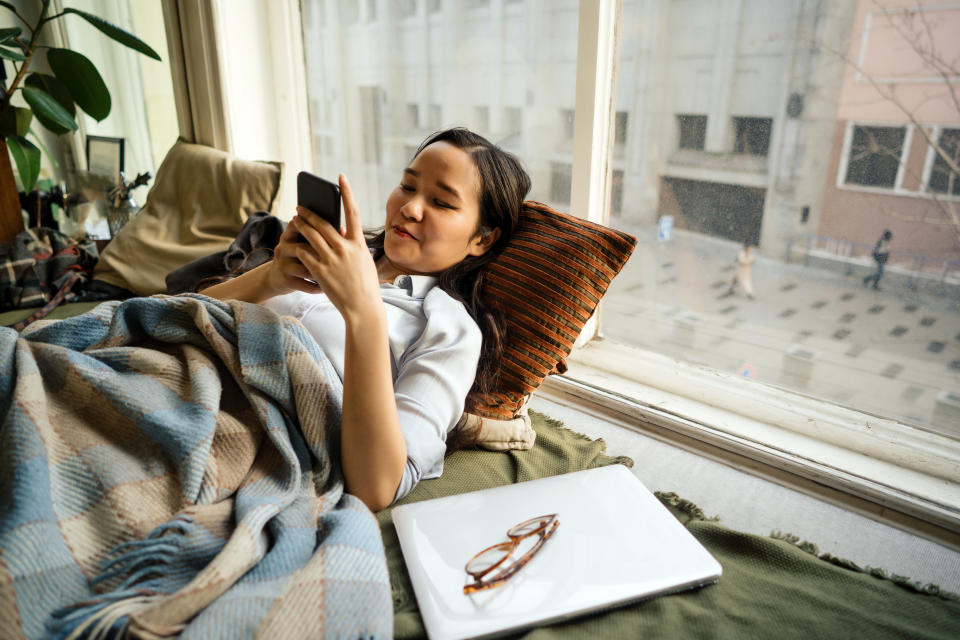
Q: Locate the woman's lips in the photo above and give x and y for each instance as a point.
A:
(403, 233)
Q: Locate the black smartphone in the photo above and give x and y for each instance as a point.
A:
(320, 196)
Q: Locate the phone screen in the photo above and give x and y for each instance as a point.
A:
(320, 196)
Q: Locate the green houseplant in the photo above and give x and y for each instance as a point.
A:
(51, 99)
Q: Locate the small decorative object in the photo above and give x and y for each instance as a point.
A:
(105, 157)
(121, 206)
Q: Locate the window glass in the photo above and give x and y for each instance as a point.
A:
(805, 132)
(142, 112)
(505, 70)
(874, 156)
(942, 178)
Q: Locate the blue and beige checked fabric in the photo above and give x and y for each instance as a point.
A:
(169, 466)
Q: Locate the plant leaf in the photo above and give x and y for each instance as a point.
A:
(120, 35)
(54, 87)
(10, 54)
(9, 34)
(47, 109)
(82, 80)
(27, 158)
(15, 121)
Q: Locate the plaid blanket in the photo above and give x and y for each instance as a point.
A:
(168, 466)
(41, 263)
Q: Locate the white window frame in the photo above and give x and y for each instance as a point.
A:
(894, 466)
(897, 188)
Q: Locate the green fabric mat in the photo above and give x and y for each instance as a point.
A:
(8, 318)
(770, 588)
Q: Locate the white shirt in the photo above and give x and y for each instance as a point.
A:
(434, 349)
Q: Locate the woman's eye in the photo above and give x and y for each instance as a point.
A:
(441, 203)
(406, 187)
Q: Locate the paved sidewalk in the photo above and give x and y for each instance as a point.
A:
(893, 352)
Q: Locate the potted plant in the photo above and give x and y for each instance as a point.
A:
(51, 99)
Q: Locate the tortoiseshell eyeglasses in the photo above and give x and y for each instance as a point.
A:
(495, 565)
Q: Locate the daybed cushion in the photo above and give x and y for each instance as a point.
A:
(548, 282)
(199, 201)
(770, 588)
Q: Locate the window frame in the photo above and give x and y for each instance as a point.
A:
(843, 165)
(711, 427)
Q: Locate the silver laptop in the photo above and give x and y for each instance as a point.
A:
(615, 543)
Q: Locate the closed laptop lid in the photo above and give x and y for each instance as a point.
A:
(615, 543)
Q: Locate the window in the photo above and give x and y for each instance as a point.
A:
(566, 121)
(692, 132)
(752, 135)
(942, 178)
(435, 117)
(413, 116)
(620, 128)
(407, 8)
(146, 118)
(371, 121)
(560, 183)
(874, 156)
(481, 120)
(383, 95)
(513, 120)
(810, 337)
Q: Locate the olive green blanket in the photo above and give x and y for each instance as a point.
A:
(771, 588)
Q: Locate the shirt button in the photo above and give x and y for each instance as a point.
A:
(403, 281)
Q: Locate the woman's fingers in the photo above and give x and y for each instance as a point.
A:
(354, 228)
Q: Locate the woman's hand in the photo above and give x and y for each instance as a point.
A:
(337, 260)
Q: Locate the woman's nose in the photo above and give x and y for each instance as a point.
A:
(412, 210)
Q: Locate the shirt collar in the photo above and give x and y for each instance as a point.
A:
(415, 286)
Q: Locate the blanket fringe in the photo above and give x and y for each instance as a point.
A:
(684, 506)
(902, 581)
(147, 566)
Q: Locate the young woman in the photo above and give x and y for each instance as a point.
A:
(399, 313)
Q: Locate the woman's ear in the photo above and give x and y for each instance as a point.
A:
(481, 242)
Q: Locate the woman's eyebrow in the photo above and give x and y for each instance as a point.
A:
(442, 185)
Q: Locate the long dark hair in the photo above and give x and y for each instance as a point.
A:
(504, 185)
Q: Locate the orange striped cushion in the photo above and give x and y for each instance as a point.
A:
(547, 281)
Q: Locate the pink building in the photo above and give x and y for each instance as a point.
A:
(901, 90)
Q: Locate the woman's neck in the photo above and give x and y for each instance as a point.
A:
(386, 270)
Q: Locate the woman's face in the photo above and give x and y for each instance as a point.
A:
(433, 214)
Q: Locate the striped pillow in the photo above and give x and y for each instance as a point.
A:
(547, 281)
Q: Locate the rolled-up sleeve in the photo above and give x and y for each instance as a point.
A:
(434, 377)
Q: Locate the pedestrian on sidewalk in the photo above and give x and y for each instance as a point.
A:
(742, 276)
(881, 251)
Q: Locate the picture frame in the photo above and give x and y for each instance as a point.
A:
(105, 157)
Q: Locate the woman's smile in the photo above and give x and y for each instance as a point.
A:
(403, 233)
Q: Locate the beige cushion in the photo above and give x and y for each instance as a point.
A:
(489, 433)
(199, 201)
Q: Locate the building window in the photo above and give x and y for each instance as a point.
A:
(875, 156)
(566, 118)
(620, 128)
(407, 8)
(942, 178)
(413, 116)
(752, 135)
(692, 131)
(350, 12)
(481, 119)
(434, 117)
(371, 99)
(512, 120)
(560, 182)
